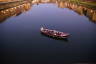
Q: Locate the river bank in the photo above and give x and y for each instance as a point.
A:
(87, 3)
(5, 5)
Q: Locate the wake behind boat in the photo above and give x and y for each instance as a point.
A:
(54, 33)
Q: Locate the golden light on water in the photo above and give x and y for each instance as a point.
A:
(90, 13)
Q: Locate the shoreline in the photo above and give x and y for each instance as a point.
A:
(6, 5)
(1, 3)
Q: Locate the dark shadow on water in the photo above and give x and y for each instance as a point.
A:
(61, 39)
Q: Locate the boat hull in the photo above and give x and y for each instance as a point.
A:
(54, 33)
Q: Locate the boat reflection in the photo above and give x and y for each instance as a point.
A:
(89, 12)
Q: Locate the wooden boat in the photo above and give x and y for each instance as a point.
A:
(54, 33)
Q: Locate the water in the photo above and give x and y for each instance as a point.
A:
(22, 43)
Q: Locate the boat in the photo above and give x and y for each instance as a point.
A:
(54, 33)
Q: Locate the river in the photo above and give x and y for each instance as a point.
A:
(22, 43)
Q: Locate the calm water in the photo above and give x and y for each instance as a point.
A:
(22, 43)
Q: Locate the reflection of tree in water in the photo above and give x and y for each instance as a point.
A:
(87, 11)
(14, 11)
(17, 10)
